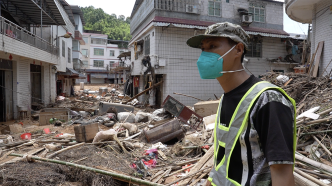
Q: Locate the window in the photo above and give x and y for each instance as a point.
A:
(258, 12)
(69, 55)
(85, 52)
(98, 63)
(112, 63)
(147, 45)
(85, 64)
(76, 45)
(214, 8)
(86, 40)
(99, 41)
(76, 27)
(98, 51)
(111, 52)
(63, 48)
(255, 49)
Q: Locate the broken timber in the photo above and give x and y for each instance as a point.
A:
(139, 94)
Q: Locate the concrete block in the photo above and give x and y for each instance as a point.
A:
(206, 108)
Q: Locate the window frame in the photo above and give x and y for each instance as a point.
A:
(63, 48)
(113, 52)
(87, 51)
(214, 7)
(85, 65)
(99, 62)
(252, 47)
(69, 55)
(147, 45)
(253, 7)
(111, 63)
(94, 51)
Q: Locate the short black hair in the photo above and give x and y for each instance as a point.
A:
(231, 43)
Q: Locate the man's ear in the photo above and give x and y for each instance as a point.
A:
(239, 50)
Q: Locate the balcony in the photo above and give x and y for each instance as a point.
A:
(18, 33)
(300, 10)
(78, 36)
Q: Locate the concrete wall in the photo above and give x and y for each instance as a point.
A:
(322, 27)
(78, 22)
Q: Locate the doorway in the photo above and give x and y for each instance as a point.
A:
(2, 96)
(35, 75)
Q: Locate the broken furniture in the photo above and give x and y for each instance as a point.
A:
(165, 132)
(86, 133)
(206, 108)
(182, 112)
(59, 113)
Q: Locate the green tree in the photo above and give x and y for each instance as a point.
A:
(116, 27)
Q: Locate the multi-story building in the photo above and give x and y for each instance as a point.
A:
(100, 56)
(36, 45)
(319, 14)
(160, 29)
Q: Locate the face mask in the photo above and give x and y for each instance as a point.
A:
(210, 65)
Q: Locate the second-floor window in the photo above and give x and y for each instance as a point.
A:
(255, 49)
(69, 55)
(98, 63)
(63, 49)
(257, 11)
(85, 52)
(85, 64)
(76, 45)
(146, 45)
(98, 51)
(112, 53)
(215, 7)
(86, 40)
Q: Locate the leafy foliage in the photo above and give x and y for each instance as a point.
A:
(116, 27)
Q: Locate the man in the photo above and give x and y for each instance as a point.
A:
(254, 136)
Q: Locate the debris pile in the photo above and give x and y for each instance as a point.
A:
(109, 138)
(314, 132)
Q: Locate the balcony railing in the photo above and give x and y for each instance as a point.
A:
(188, 6)
(18, 33)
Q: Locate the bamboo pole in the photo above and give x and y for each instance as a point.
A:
(180, 170)
(314, 163)
(309, 177)
(115, 175)
(62, 150)
(317, 132)
(323, 146)
(301, 181)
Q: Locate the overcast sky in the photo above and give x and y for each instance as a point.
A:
(124, 7)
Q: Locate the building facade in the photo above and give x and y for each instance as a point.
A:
(319, 14)
(160, 29)
(100, 56)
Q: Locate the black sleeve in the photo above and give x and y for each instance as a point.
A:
(274, 124)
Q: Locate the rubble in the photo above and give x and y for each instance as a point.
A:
(126, 143)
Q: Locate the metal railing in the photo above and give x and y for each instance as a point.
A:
(18, 33)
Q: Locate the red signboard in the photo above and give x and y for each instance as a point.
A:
(136, 82)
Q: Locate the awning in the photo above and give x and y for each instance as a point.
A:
(125, 54)
(72, 74)
(266, 34)
(99, 76)
(30, 11)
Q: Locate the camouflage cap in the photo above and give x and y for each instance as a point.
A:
(225, 29)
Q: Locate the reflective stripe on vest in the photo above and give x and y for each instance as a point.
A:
(228, 136)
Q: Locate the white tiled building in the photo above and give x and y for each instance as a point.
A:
(160, 29)
(99, 57)
(31, 56)
(319, 14)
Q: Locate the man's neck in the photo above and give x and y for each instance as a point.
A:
(230, 81)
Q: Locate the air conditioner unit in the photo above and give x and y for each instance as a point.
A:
(87, 56)
(192, 9)
(246, 18)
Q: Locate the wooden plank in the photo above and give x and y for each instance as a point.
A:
(288, 82)
(208, 155)
(317, 58)
(31, 152)
(86, 133)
